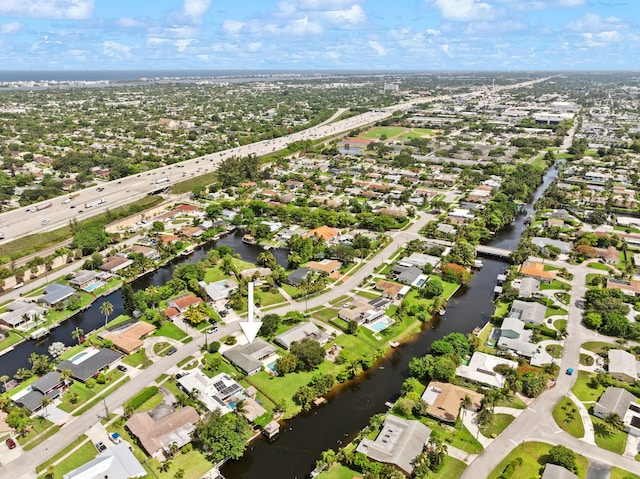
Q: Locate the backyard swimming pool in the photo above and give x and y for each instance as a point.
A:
(93, 286)
(380, 325)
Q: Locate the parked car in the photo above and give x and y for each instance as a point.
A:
(115, 437)
(171, 351)
(121, 368)
(100, 446)
(11, 444)
(570, 371)
(223, 313)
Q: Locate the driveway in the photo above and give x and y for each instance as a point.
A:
(598, 471)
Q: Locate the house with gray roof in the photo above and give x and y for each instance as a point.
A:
(89, 362)
(398, 443)
(217, 393)
(542, 244)
(115, 462)
(515, 337)
(419, 260)
(404, 274)
(56, 293)
(528, 287)
(623, 365)
(528, 312)
(553, 471)
(20, 312)
(83, 278)
(296, 277)
(220, 289)
(615, 400)
(250, 357)
(481, 369)
(300, 332)
(50, 385)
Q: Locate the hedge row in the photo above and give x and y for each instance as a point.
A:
(143, 396)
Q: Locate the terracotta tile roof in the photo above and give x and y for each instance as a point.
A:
(324, 232)
(151, 433)
(531, 268)
(130, 339)
(185, 302)
(449, 400)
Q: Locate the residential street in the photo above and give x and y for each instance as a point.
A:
(536, 423)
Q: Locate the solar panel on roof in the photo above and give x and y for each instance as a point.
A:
(219, 385)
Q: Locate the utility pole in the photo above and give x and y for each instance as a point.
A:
(106, 409)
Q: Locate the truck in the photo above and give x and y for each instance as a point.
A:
(162, 180)
(93, 203)
(42, 207)
(74, 195)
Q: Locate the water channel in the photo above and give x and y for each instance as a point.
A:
(91, 318)
(294, 453)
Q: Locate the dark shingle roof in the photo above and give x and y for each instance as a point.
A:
(90, 366)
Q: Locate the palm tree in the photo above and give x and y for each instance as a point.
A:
(77, 334)
(3, 379)
(242, 407)
(439, 303)
(106, 308)
(179, 474)
(173, 448)
(329, 457)
(466, 402)
(614, 420)
(44, 402)
(165, 466)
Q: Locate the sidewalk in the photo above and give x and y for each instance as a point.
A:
(589, 435)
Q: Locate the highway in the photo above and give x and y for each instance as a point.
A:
(19, 222)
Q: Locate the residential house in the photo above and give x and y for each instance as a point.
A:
(419, 260)
(297, 276)
(610, 255)
(329, 266)
(527, 287)
(83, 278)
(220, 290)
(177, 306)
(623, 366)
(51, 385)
(543, 243)
(115, 462)
(217, 393)
(191, 231)
(113, 264)
(481, 369)
(528, 312)
(324, 232)
(20, 312)
(128, 337)
(399, 442)
(56, 293)
(553, 471)
(405, 275)
(89, 362)
(306, 330)
(166, 239)
(156, 437)
(391, 290)
(515, 337)
(624, 404)
(534, 269)
(445, 400)
(252, 272)
(251, 357)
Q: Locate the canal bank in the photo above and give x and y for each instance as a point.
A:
(91, 319)
(348, 409)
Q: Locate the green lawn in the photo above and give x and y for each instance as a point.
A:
(136, 359)
(555, 284)
(512, 401)
(40, 430)
(84, 393)
(599, 266)
(388, 131)
(613, 440)
(214, 274)
(533, 455)
(500, 423)
(617, 473)
(554, 311)
(586, 360)
(267, 298)
(65, 451)
(451, 469)
(554, 350)
(325, 314)
(80, 456)
(338, 471)
(598, 347)
(560, 324)
(11, 339)
(354, 347)
(583, 389)
(568, 418)
(170, 330)
(151, 403)
(459, 437)
(502, 309)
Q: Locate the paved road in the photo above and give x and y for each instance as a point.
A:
(536, 422)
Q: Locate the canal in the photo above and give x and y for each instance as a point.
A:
(91, 318)
(302, 439)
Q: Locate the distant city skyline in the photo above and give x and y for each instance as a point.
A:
(320, 34)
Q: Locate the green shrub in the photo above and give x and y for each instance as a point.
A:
(143, 396)
(91, 383)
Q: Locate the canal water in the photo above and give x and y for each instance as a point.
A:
(302, 439)
(91, 318)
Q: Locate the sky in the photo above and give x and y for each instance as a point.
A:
(374, 35)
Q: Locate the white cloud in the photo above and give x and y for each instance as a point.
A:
(464, 10)
(53, 9)
(254, 46)
(445, 48)
(9, 28)
(323, 5)
(570, 3)
(379, 49)
(590, 22)
(432, 32)
(129, 22)
(182, 44)
(156, 41)
(195, 9)
(232, 27)
(115, 49)
(352, 16)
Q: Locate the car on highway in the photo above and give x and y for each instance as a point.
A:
(100, 446)
(11, 444)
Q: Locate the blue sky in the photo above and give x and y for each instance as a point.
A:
(320, 34)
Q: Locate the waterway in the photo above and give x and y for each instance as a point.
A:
(91, 318)
(302, 439)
